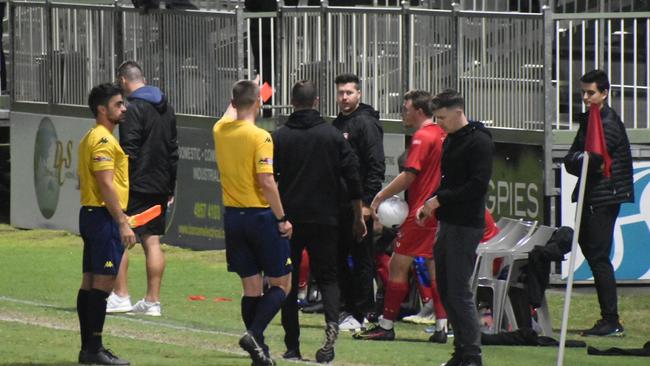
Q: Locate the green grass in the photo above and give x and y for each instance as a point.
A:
(40, 272)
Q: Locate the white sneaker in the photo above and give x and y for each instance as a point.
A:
(147, 308)
(118, 304)
(427, 320)
(423, 317)
(350, 324)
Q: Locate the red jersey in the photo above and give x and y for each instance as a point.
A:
(424, 158)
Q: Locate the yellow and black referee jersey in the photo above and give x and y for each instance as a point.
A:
(99, 150)
(242, 151)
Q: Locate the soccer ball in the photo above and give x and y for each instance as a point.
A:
(392, 212)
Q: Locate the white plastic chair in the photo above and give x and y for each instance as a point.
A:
(514, 234)
(515, 258)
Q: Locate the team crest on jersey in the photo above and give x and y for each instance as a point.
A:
(100, 158)
(345, 135)
(103, 140)
(266, 161)
(416, 142)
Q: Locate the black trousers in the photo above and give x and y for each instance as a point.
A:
(455, 253)
(320, 241)
(596, 234)
(356, 275)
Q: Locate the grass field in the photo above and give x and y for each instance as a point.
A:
(40, 272)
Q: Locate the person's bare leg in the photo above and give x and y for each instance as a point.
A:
(121, 281)
(155, 266)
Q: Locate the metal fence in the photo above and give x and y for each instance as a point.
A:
(496, 60)
(618, 43)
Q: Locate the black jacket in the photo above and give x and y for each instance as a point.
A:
(600, 190)
(466, 168)
(364, 133)
(309, 160)
(148, 136)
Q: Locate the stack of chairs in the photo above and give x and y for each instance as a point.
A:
(513, 243)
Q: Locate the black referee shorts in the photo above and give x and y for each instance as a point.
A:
(139, 202)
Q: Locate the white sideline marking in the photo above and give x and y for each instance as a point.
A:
(112, 333)
(135, 320)
(130, 319)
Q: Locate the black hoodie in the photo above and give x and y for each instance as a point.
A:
(466, 168)
(310, 158)
(364, 133)
(148, 136)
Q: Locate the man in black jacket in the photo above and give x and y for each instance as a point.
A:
(310, 159)
(359, 124)
(459, 205)
(148, 137)
(602, 199)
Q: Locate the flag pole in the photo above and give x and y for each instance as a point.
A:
(572, 258)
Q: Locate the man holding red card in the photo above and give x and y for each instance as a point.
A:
(609, 183)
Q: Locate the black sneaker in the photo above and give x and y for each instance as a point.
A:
(604, 328)
(292, 354)
(102, 357)
(439, 336)
(472, 361)
(255, 350)
(376, 333)
(325, 354)
(83, 357)
(455, 360)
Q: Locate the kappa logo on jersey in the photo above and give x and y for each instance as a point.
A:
(103, 140)
(268, 139)
(100, 158)
(266, 161)
(288, 262)
(108, 264)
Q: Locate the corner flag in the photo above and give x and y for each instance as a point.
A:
(595, 138)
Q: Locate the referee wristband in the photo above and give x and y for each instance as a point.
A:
(282, 219)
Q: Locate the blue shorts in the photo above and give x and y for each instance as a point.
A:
(254, 243)
(103, 247)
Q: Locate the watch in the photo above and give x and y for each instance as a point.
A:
(282, 219)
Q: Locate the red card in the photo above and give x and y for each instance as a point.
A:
(266, 92)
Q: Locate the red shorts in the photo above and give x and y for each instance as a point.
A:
(414, 240)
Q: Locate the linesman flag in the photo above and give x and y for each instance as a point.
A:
(595, 139)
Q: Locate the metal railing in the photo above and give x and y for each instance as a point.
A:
(496, 60)
(618, 43)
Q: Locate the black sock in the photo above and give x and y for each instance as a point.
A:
(82, 312)
(96, 316)
(248, 307)
(268, 306)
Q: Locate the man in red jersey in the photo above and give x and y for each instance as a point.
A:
(421, 177)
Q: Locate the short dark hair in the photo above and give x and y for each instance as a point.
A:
(596, 76)
(244, 93)
(101, 94)
(303, 94)
(130, 70)
(448, 98)
(347, 78)
(421, 100)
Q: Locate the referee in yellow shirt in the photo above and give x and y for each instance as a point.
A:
(104, 184)
(256, 228)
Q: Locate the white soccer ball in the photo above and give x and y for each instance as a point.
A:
(392, 212)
